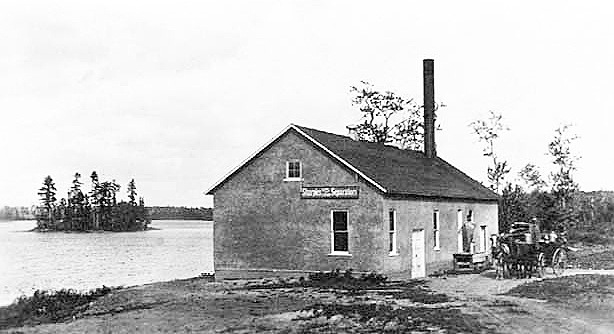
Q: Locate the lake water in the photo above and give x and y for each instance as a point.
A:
(30, 261)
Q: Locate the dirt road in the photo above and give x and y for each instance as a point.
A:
(482, 296)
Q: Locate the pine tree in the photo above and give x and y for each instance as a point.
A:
(95, 192)
(95, 201)
(108, 200)
(76, 183)
(75, 203)
(114, 188)
(63, 214)
(86, 223)
(47, 198)
(47, 192)
(132, 192)
(142, 216)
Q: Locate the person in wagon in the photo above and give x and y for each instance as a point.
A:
(534, 230)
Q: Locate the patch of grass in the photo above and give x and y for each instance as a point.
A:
(347, 280)
(599, 260)
(520, 311)
(501, 303)
(329, 280)
(563, 289)
(48, 306)
(598, 233)
(208, 277)
(589, 238)
(416, 292)
(347, 284)
(385, 318)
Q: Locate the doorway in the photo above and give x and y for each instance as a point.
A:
(418, 264)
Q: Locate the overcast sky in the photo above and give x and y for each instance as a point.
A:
(176, 94)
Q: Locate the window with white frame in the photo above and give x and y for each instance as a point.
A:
(339, 232)
(293, 170)
(436, 229)
(392, 232)
(459, 231)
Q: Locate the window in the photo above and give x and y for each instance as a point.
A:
(293, 170)
(470, 216)
(339, 233)
(392, 232)
(459, 231)
(436, 229)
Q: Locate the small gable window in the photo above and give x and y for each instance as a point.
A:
(293, 170)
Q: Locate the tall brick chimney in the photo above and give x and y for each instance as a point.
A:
(429, 108)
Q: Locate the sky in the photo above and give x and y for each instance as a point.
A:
(175, 94)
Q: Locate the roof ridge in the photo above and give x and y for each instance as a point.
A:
(360, 141)
(328, 150)
(313, 129)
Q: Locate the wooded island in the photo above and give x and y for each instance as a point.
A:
(96, 210)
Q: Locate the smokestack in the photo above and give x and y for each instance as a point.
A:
(429, 108)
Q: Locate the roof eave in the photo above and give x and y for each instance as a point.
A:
(434, 196)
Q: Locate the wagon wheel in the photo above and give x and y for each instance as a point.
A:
(559, 261)
(541, 265)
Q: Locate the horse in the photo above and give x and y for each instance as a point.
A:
(523, 258)
(501, 255)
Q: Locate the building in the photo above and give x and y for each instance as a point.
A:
(316, 201)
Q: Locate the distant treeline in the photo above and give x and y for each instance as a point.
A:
(583, 209)
(595, 206)
(179, 213)
(18, 213)
(97, 209)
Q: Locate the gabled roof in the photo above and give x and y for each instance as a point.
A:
(391, 170)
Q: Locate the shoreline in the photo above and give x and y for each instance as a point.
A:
(39, 230)
(202, 276)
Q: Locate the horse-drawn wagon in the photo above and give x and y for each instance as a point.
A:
(523, 251)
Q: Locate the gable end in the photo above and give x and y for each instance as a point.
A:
(273, 141)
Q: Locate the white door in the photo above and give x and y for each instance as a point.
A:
(418, 265)
(482, 239)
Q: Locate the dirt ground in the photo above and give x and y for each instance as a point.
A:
(198, 306)
(481, 295)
